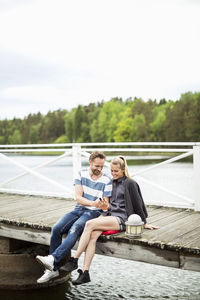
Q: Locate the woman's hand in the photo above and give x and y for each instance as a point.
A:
(150, 226)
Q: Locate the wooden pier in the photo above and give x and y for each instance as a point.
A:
(175, 244)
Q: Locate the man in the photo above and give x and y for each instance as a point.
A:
(91, 184)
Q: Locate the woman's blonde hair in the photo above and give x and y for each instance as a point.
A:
(121, 161)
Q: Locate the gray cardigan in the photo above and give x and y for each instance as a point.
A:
(134, 202)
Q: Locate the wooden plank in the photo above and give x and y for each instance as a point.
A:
(159, 211)
(139, 253)
(24, 203)
(191, 237)
(195, 243)
(36, 210)
(175, 229)
(16, 206)
(168, 215)
(161, 214)
(51, 220)
(8, 202)
(152, 208)
(22, 198)
(33, 202)
(45, 216)
(168, 218)
(25, 234)
(11, 198)
(190, 262)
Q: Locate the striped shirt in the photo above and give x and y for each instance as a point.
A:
(93, 189)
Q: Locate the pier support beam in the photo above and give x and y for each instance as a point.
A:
(196, 164)
(18, 267)
(8, 245)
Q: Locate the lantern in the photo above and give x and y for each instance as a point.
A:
(134, 226)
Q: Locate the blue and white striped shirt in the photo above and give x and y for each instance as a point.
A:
(93, 189)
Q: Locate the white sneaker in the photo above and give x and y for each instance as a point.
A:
(47, 261)
(48, 275)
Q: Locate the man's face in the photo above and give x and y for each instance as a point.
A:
(96, 165)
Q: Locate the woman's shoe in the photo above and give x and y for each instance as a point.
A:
(83, 277)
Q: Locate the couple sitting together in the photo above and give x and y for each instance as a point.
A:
(102, 204)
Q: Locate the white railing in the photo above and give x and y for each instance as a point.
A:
(79, 150)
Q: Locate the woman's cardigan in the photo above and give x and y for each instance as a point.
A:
(134, 202)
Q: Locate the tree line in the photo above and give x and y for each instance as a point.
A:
(116, 120)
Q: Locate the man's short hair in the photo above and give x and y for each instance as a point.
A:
(97, 154)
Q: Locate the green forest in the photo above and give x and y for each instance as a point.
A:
(131, 120)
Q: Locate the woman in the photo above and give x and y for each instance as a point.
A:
(126, 199)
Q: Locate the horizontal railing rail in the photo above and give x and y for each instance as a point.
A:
(189, 144)
(79, 150)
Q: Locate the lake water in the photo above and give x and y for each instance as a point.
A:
(113, 278)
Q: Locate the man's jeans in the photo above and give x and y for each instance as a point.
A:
(71, 224)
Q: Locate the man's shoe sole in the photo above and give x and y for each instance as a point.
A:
(44, 281)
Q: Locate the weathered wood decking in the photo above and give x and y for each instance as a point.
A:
(175, 244)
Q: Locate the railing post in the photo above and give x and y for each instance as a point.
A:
(196, 164)
(76, 158)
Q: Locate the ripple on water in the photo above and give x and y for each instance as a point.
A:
(113, 278)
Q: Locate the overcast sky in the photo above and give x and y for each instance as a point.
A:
(56, 54)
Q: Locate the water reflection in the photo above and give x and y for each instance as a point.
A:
(52, 293)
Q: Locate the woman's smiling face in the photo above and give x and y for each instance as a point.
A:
(116, 171)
